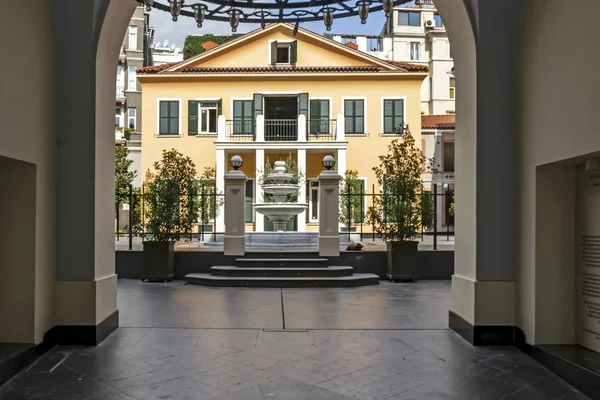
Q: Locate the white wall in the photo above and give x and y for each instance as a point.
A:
(27, 112)
(558, 122)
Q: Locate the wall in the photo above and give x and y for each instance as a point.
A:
(557, 123)
(28, 135)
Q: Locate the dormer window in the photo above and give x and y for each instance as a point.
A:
(284, 52)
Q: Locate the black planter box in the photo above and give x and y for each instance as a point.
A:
(159, 261)
(402, 261)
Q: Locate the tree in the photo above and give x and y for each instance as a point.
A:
(171, 197)
(210, 200)
(123, 176)
(193, 44)
(451, 208)
(398, 212)
(351, 199)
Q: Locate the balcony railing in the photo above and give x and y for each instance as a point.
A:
(240, 130)
(281, 130)
(321, 129)
(120, 91)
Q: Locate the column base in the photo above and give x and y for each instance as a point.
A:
(329, 246)
(485, 335)
(234, 245)
(82, 335)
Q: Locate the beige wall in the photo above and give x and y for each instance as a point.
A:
(28, 117)
(557, 123)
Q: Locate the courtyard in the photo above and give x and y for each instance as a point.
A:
(182, 342)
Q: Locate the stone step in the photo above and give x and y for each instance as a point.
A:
(279, 282)
(332, 271)
(282, 262)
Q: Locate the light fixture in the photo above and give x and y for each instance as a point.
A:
(236, 162)
(234, 19)
(328, 17)
(148, 4)
(363, 10)
(328, 162)
(199, 14)
(388, 6)
(296, 26)
(445, 186)
(175, 7)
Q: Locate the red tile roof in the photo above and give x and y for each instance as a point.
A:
(153, 69)
(209, 45)
(410, 67)
(352, 45)
(446, 121)
(282, 70)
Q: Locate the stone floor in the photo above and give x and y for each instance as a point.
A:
(187, 342)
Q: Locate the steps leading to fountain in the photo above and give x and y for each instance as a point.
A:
(266, 240)
(279, 272)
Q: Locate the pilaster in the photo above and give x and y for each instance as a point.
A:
(235, 226)
(329, 211)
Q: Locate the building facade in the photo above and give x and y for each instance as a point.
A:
(269, 95)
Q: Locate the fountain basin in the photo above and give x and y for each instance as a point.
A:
(280, 192)
(280, 213)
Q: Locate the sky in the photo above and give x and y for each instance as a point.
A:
(175, 32)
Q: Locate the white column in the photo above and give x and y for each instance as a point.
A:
(260, 165)
(302, 190)
(302, 128)
(221, 128)
(220, 184)
(235, 225)
(260, 128)
(340, 127)
(361, 41)
(329, 212)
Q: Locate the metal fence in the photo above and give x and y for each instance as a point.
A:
(281, 130)
(321, 129)
(240, 130)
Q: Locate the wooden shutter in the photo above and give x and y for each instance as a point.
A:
(219, 107)
(303, 104)
(315, 116)
(293, 52)
(257, 99)
(192, 117)
(274, 52)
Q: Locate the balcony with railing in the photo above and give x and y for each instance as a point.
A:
(280, 130)
(120, 92)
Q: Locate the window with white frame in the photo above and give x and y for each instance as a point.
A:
(133, 33)
(415, 51)
(168, 117)
(131, 118)
(118, 121)
(354, 116)
(208, 117)
(120, 81)
(393, 115)
(131, 78)
(452, 84)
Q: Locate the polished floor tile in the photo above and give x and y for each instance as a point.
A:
(229, 344)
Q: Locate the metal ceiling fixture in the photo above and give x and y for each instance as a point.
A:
(265, 12)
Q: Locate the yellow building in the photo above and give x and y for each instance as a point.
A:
(271, 93)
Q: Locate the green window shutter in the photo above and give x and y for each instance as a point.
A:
(325, 109)
(303, 104)
(192, 117)
(315, 116)
(359, 116)
(274, 52)
(293, 52)
(174, 118)
(219, 107)
(257, 98)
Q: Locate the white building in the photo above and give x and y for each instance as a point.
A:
(163, 53)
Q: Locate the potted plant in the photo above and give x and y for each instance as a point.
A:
(171, 212)
(210, 201)
(397, 213)
(351, 200)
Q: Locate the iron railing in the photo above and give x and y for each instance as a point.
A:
(240, 130)
(281, 130)
(321, 129)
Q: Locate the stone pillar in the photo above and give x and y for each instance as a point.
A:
(260, 129)
(220, 186)
(302, 190)
(302, 128)
(329, 211)
(235, 226)
(259, 219)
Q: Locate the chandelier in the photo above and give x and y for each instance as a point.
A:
(269, 11)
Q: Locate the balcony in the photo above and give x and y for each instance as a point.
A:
(281, 130)
(120, 93)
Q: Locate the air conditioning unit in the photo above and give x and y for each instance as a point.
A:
(429, 23)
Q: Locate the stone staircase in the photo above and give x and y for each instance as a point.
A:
(279, 272)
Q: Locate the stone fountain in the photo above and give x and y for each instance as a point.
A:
(279, 186)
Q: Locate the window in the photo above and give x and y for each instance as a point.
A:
(354, 116)
(393, 115)
(169, 118)
(374, 44)
(438, 20)
(208, 117)
(284, 52)
(131, 118)
(117, 120)
(133, 31)
(448, 156)
(312, 194)
(452, 93)
(243, 120)
(120, 81)
(415, 51)
(131, 78)
(411, 18)
(319, 117)
(249, 200)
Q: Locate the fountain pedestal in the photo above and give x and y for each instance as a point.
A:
(329, 214)
(235, 226)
